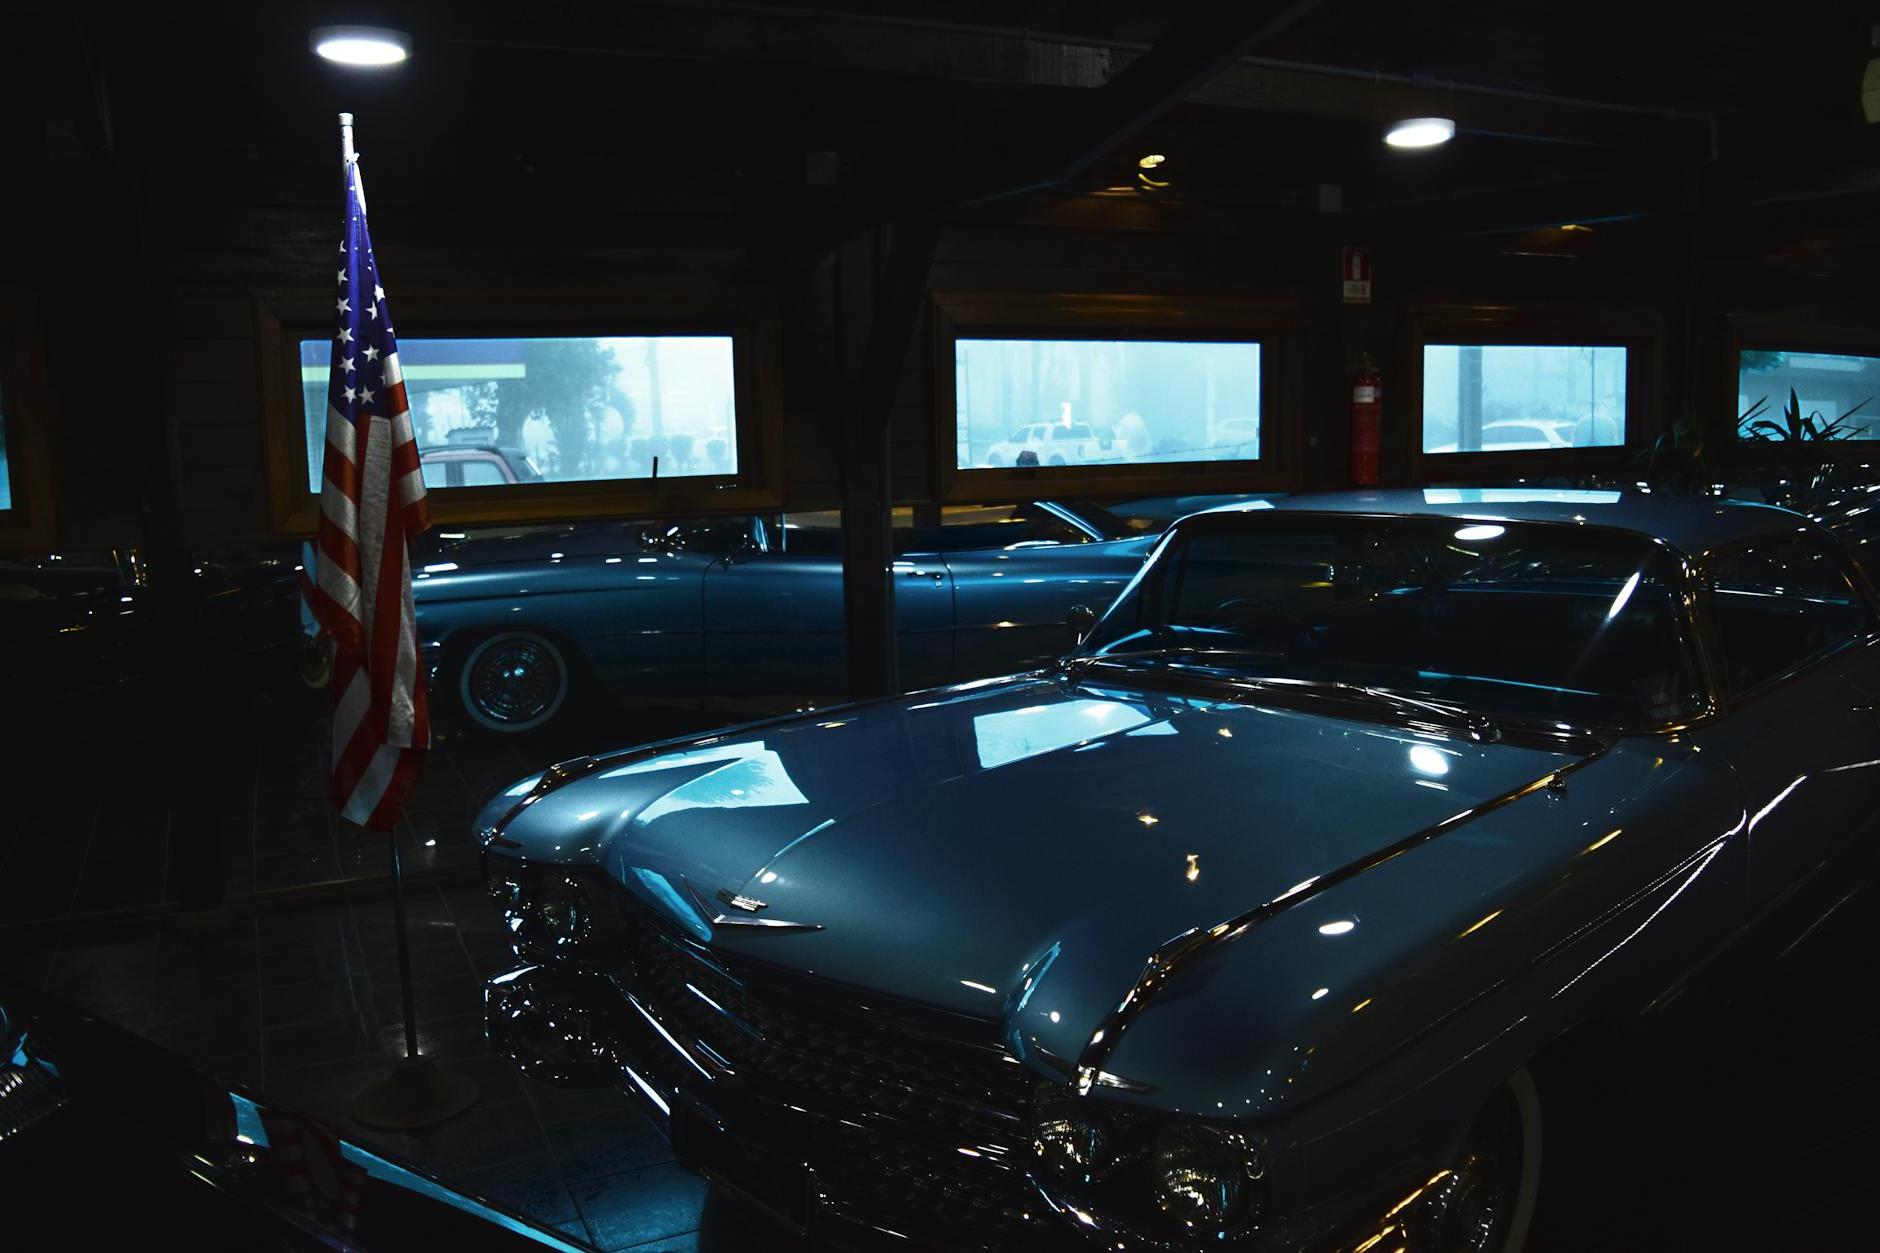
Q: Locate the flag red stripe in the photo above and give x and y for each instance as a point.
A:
(403, 776)
(361, 592)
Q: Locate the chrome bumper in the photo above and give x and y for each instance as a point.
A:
(576, 1029)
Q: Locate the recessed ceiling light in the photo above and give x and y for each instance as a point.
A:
(361, 45)
(1421, 132)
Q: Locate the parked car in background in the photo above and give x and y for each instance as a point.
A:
(1322, 899)
(189, 1163)
(475, 465)
(1519, 435)
(1235, 439)
(79, 623)
(1049, 444)
(745, 613)
(1151, 515)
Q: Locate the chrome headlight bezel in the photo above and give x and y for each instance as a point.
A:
(1203, 1177)
(550, 912)
(1145, 1173)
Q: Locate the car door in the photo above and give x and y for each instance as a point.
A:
(775, 636)
(1017, 571)
(1793, 641)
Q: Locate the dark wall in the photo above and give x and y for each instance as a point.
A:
(169, 204)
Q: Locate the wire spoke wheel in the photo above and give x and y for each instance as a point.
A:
(514, 682)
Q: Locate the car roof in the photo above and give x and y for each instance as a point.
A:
(1692, 524)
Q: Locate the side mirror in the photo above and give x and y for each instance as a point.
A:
(1080, 619)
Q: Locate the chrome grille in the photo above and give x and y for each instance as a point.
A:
(930, 1121)
(27, 1094)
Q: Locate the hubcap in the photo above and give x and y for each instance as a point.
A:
(515, 681)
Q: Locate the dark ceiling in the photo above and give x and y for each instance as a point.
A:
(1592, 112)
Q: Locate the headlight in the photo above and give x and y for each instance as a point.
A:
(1145, 1173)
(549, 912)
(1202, 1177)
(1068, 1141)
(561, 909)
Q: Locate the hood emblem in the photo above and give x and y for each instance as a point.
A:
(749, 904)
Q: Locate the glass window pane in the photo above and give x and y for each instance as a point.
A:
(1056, 402)
(558, 410)
(1519, 398)
(6, 468)
(1579, 624)
(1780, 604)
(1829, 388)
(481, 472)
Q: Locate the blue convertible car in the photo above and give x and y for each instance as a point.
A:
(1363, 842)
(745, 613)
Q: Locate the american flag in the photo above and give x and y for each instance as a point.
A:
(371, 503)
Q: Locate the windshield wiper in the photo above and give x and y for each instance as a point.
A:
(1477, 726)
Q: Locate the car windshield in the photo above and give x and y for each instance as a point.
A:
(1531, 621)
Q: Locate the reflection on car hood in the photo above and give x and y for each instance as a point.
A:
(947, 844)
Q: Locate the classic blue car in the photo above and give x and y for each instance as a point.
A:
(744, 614)
(1360, 832)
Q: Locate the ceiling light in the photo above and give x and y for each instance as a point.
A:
(1151, 161)
(1421, 132)
(361, 45)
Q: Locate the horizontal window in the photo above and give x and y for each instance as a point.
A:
(1071, 402)
(6, 467)
(489, 412)
(1835, 396)
(1522, 398)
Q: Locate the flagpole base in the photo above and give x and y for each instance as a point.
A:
(418, 1093)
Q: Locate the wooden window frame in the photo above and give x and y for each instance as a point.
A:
(1274, 326)
(1640, 334)
(25, 400)
(748, 317)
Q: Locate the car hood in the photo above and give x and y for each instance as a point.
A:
(1027, 840)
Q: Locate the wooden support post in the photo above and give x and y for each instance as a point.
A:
(881, 288)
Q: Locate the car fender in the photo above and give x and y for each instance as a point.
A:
(1361, 1028)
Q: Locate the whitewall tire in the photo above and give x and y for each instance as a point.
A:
(514, 681)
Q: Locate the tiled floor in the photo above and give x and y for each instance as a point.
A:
(303, 1006)
(1764, 1138)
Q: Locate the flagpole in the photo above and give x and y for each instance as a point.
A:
(418, 1092)
(348, 156)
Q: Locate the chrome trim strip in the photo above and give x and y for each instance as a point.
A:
(764, 924)
(1167, 960)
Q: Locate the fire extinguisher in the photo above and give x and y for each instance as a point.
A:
(1367, 399)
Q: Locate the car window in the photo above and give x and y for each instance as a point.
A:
(1779, 604)
(480, 472)
(436, 472)
(1533, 620)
